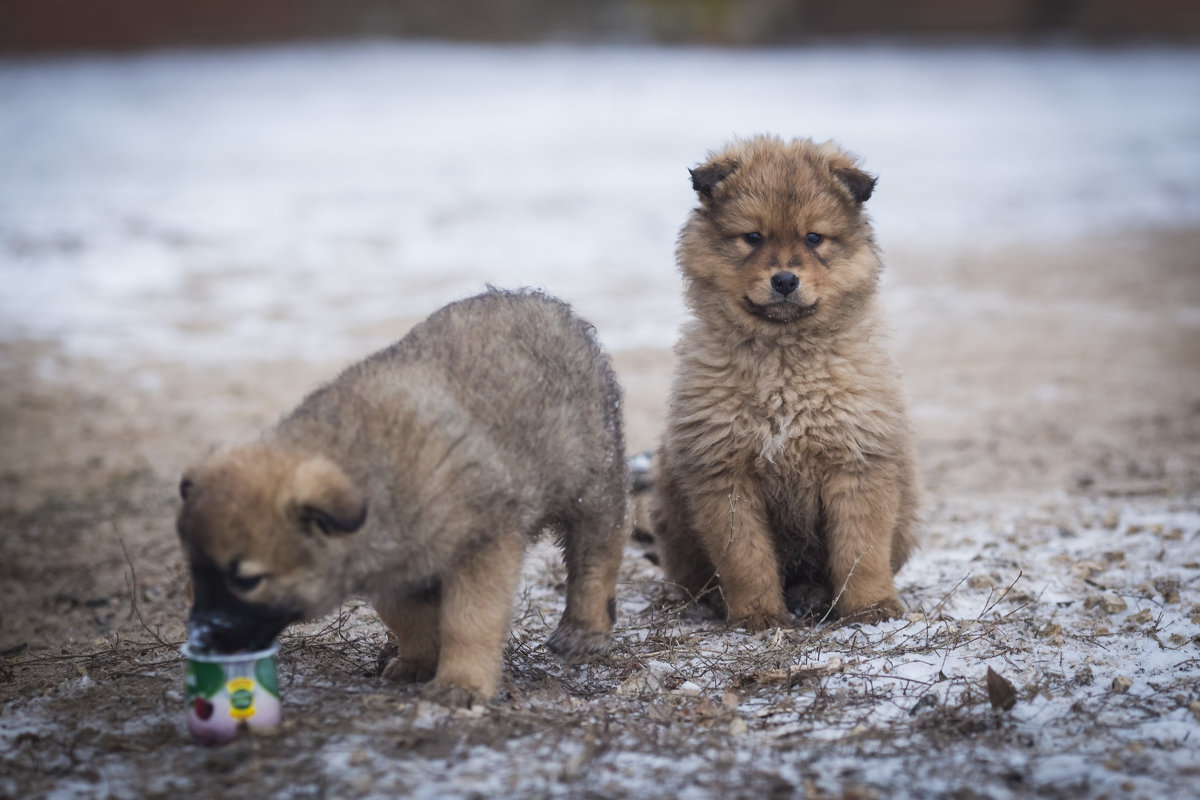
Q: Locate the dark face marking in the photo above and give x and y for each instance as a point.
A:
(222, 622)
(781, 311)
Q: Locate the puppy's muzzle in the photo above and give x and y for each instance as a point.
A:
(785, 283)
(221, 633)
(220, 622)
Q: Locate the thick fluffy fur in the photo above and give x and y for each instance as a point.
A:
(787, 464)
(415, 478)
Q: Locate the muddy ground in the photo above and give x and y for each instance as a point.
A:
(1056, 393)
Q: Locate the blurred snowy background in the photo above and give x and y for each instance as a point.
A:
(313, 200)
(296, 200)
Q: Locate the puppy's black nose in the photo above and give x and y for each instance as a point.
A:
(784, 282)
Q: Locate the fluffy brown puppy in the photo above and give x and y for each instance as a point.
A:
(787, 462)
(415, 479)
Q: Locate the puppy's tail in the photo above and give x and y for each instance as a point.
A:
(641, 467)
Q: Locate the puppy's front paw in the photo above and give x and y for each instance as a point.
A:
(574, 643)
(452, 696)
(881, 611)
(407, 670)
(762, 621)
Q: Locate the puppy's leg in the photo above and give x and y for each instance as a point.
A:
(861, 510)
(413, 620)
(592, 547)
(683, 558)
(476, 608)
(735, 534)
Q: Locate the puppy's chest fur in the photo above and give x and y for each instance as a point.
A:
(789, 413)
(791, 416)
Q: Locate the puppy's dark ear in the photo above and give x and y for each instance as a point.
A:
(336, 522)
(323, 496)
(706, 177)
(860, 184)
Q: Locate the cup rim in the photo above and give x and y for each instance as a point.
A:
(228, 658)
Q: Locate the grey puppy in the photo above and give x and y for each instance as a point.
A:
(415, 479)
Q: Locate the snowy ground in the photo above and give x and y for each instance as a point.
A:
(188, 242)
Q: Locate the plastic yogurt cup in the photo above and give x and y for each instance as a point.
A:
(230, 692)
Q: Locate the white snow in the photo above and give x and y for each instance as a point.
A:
(315, 201)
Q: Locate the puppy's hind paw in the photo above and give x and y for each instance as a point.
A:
(573, 643)
(407, 670)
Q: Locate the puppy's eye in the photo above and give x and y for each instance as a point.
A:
(753, 238)
(814, 239)
(245, 583)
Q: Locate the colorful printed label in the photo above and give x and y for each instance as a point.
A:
(224, 698)
(241, 698)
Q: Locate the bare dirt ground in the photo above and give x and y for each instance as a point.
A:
(1056, 392)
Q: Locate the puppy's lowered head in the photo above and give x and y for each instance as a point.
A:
(263, 528)
(780, 240)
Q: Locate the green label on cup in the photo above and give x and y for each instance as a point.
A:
(204, 679)
(241, 699)
(264, 672)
